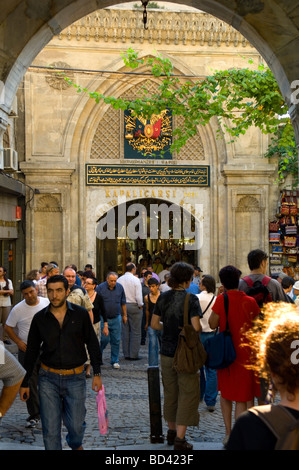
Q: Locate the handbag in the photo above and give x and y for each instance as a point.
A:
(220, 348)
(274, 237)
(277, 249)
(291, 230)
(273, 226)
(290, 241)
(190, 355)
(293, 207)
(275, 258)
(285, 208)
(276, 269)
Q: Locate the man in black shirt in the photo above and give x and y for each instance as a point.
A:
(59, 334)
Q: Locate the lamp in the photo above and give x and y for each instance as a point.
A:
(144, 3)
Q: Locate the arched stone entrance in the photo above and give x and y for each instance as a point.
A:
(236, 175)
(143, 229)
(272, 27)
(92, 135)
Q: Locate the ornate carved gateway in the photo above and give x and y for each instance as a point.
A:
(89, 161)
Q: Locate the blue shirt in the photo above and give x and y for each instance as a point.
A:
(113, 299)
(193, 288)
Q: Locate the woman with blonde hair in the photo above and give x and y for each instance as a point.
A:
(275, 344)
(33, 275)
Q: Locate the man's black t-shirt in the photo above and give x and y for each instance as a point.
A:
(170, 308)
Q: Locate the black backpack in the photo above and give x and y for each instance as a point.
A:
(259, 290)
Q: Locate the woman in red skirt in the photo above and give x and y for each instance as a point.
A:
(237, 383)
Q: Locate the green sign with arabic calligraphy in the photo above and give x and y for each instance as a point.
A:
(152, 175)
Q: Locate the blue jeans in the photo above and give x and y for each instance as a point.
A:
(208, 379)
(62, 399)
(114, 326)
(154, 343)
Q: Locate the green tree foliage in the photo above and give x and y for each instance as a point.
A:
(239, 98)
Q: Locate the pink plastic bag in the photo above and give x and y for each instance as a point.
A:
(102, 411)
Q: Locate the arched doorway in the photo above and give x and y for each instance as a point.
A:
(94, 139)
(34, 40)
(140, 232)
(38, 23)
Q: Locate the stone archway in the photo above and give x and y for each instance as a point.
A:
(272, 27)
(137, 229)
(86, 145)
(86, 118)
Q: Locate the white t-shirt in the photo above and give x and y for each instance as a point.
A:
(21, 315)
(5, 300)
(132, 288)
(204, 299)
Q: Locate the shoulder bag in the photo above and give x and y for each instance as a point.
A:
(190, 355)
(220, 348)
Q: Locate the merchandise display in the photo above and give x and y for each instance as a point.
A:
(284, 236)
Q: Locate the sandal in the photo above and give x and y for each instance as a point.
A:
(182, 444)
(171, 435)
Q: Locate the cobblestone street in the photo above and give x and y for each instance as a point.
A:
(128, 407)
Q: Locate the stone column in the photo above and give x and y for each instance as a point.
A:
(49, 228)
(248, 210)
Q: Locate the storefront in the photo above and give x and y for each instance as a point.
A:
(11, 236)
(283, 236)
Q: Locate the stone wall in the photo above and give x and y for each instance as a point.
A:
(65, 131)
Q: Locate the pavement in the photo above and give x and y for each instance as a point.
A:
(127, 397)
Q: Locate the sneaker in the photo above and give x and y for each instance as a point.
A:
(116, 365)
(32, 423)
(211, 408)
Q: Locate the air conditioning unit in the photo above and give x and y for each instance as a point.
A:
(10, 160)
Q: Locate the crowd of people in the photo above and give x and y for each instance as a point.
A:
(130, 310)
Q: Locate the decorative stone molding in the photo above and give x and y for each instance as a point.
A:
(193, 150)
(248, 173)
(248, 204)
(106, 141)
(188, 28)
(55, 79)
(48, 203)
(48, 173)
(249, 199)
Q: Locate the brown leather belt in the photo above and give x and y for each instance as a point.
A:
(76, 370)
